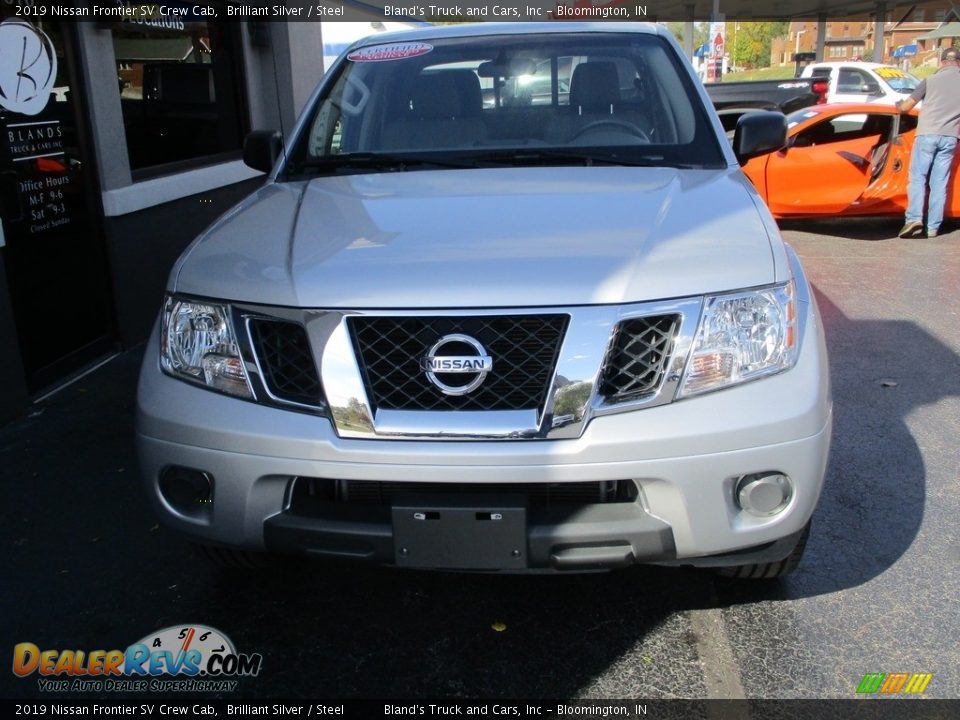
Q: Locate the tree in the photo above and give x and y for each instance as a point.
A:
(701, 33)
(749, 42)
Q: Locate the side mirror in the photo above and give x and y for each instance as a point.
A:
(759, 133)
(261, 148)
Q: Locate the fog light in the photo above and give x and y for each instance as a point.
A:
(186, 489)
(763, 494)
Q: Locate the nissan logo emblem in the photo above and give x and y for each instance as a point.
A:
(456, 364)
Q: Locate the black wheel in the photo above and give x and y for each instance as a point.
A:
(768, 571)
(230, 558)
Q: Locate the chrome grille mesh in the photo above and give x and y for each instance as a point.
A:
(524, 349)
(638, 357)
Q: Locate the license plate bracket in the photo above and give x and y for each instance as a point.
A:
(469, 533)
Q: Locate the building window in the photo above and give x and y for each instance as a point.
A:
(918, 15)
(837, 51)
(180, 92)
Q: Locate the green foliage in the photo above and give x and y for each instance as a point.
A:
(700, 32)
(749, 42)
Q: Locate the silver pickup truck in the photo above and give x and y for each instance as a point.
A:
(505, 303)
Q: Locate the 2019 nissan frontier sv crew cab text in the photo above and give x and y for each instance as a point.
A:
(505, 302)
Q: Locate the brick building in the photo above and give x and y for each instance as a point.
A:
(854, 38)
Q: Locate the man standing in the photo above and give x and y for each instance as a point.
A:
(935, 144)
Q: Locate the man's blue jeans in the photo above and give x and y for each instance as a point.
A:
(933, 156)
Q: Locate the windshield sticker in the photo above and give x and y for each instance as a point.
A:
(890, 72)
(396, 51)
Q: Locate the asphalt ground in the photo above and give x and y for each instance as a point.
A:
(84, 564)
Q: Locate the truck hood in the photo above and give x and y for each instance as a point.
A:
(485, 238)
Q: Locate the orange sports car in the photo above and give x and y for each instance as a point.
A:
(843, 160)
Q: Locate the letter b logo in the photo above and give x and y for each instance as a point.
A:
(28, 67)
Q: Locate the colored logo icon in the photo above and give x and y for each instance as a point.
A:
(894, 683)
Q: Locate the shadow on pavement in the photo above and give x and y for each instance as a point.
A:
(872, 504)
(846, 227)
(857, 228)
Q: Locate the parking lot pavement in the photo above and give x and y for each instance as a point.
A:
(881, 575)
(86, 566)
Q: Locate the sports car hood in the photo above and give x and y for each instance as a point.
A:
(487, 238)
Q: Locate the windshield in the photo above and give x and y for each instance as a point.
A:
(516, 99)
(897, 79)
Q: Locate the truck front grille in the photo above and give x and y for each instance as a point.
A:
(638, 357)
(524, 349)
(289, 371)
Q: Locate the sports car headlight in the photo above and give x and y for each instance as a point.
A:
(197, 343)
(743, 336)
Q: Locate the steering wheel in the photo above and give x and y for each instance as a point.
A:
(613, 123)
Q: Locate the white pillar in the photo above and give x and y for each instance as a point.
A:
(98, 62)
(289, 71)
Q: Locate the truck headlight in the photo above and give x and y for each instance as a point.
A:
(743, 336)
(197, 343)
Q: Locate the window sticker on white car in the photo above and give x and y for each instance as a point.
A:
(395, 51)
(890, 72)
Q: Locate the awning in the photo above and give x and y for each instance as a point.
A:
(905, 51)
(950, 30)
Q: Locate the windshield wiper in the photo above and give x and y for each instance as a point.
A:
(374, 161)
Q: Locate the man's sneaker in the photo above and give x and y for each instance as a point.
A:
(933, 232)
(911, 229)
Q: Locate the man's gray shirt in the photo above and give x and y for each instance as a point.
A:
(940, 114)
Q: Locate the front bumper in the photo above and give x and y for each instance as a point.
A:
(684, 457)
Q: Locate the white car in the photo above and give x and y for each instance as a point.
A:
(863, 82)
(557, 333)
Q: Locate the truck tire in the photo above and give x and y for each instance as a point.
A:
(771, 570)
